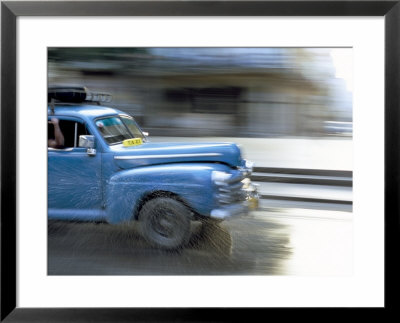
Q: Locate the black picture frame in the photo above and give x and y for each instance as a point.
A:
(11, 10)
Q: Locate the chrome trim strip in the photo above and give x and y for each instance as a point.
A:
(167, 156)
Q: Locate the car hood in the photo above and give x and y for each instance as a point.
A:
(161, 153)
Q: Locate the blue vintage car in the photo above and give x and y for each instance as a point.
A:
(106, 169)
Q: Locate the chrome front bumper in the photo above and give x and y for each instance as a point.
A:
(249, 204)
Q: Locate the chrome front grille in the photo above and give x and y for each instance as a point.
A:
(230, 191)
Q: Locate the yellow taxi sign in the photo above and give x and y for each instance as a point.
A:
(132, 142)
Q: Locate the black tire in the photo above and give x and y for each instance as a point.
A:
(165, 223)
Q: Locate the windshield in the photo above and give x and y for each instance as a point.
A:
(116, 129)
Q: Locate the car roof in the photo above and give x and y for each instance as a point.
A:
(85, 111)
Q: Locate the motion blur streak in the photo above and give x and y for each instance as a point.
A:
(233, 92)
(289, 109)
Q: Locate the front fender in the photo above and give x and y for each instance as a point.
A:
(191, 182)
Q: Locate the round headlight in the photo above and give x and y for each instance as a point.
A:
(249, 164)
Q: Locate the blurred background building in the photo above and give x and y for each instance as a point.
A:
(230, 92)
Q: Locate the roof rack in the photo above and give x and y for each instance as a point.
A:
(75, 94)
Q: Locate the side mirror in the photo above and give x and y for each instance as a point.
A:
(88, 141)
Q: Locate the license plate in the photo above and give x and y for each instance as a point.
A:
(132, 142)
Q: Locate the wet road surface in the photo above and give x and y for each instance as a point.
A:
(268, 242)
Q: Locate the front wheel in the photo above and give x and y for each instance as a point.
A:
(165, 223)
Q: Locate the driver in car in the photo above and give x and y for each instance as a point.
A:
(58, 140)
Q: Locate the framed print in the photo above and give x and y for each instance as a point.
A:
(245, 71)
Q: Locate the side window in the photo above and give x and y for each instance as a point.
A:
(65, 134)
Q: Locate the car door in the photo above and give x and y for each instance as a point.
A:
(74, 176)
